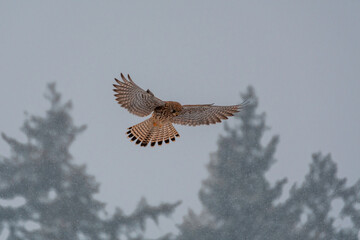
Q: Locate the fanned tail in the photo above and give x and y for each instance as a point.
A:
(149, 132)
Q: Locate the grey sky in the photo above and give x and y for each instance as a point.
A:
(303, 58)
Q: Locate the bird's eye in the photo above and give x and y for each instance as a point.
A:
(173, 111)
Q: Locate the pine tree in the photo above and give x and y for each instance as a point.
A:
(240, 203)
(59, 195)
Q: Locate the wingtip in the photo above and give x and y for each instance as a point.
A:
(123, 78)
(245, 102)
(118, 81)
(130, 78)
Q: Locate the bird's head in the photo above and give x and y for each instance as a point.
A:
(175, 108)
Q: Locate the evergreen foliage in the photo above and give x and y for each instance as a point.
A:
(58, 195)
(318, 194)
(240, 203)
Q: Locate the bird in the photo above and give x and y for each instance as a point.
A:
(159, 129)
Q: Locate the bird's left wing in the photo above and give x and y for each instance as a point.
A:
(135, 99)
(194, 115)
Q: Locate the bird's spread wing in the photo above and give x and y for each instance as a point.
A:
(134, 99)
(194, 115)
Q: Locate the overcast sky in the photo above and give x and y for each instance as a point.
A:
(302, 57)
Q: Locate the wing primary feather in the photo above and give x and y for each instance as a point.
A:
(130, 78)
(123, 78)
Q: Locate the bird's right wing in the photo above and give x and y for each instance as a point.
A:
(135, 99)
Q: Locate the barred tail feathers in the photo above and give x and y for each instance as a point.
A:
(146, 132)
(163, 133)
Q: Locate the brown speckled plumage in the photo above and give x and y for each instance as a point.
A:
(158, 128)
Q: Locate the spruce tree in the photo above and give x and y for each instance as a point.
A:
(240, 203)
(58, 195)
(317, 195)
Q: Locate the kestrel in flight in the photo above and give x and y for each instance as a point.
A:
(158, 128)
